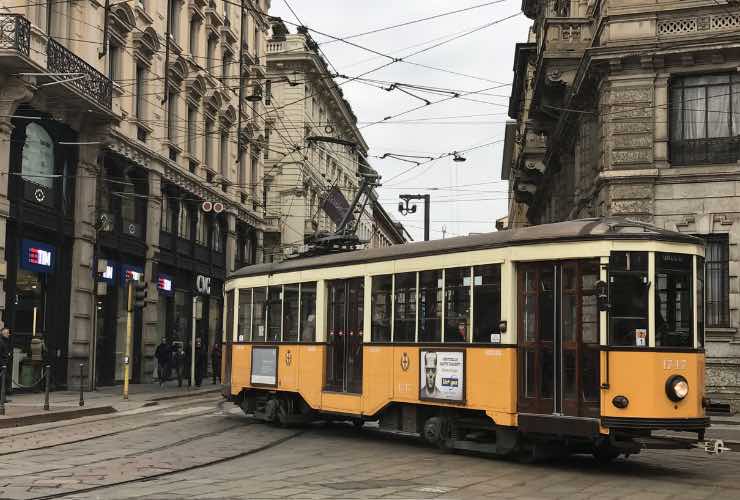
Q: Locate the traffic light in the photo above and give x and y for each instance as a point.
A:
(140, 290)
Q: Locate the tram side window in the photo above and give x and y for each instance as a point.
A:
(382, 300)
(308, 312)
(487, 303)
(700, 299)
(628, 293)
(404, 324)
(290, 313)
(674, 305)
(457, 304)
(244, 327)
(258, 314)
(430, 306)
(274, 312)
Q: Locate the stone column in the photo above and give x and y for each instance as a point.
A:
(83, 248)
(152, 331)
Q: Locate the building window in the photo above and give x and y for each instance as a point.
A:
(268, 92)
(114, 60)
(172, 117)
(184, 222)
(192, 117)
(174, 20)
(37, 164)
(717, 285)
(705, 119)
(211, 55)
(226, 68)
(139, 91)
(217, 238)
(201, 228)
(224, 168)
(208, 139)
(167, 213)
(194, 31)
(266, 148)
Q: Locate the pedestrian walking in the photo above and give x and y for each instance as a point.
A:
(163, 353)
(6, 354)
(201, 361)
(182, 363)
(216, 361)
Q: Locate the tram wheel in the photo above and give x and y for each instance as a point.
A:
(605, 454)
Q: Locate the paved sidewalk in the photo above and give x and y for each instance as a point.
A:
(28, 409)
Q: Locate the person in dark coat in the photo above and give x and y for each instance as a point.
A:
(201, 361)
(164, 356)
(6, 352)
(216, 361)
(182, 364)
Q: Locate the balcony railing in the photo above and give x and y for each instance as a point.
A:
(15, 33)
(91, 83)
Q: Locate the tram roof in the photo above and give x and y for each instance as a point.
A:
(611, 228)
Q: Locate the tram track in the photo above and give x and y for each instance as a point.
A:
(107, 434)
(153, 477)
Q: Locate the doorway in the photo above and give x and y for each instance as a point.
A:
(344, 335)
(558, 338)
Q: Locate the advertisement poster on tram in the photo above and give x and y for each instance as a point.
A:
(442, 375)
(264, 365)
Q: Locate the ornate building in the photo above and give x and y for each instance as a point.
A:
(313, 148)
(131, 141)
(626, 108)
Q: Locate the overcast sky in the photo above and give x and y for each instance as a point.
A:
(466, 197)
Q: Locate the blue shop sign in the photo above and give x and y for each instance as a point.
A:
(165, 284)
(37, 257)
(135, 273)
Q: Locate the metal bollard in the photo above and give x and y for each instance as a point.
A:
(47, 384)
(2, 390)
(82, 397)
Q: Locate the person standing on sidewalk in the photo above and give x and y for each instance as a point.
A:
(201, 361)
(216, 361)
(163, 355)
(6, 353)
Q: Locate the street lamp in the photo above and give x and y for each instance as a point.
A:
(405, 209)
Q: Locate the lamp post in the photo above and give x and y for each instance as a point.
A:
(405, 208)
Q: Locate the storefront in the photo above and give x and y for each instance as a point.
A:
(38, 245)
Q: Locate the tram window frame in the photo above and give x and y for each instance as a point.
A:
(381, 320)
(457, 297)
(259, 313)
(274, 299)
(484, 331)
(307, 312)
(244, 336)
(430, 290)
(674, 286)
(624, 267)
(291, 312)
(700, 298)
(405, 312)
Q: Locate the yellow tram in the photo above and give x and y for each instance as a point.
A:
(583, 336)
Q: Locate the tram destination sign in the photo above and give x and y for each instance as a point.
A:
(442, 375)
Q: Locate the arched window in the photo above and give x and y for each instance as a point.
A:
(38, 156)
(216, 237)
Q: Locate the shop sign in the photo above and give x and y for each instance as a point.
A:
(165, 284)
(129, 272)
(37, 257)
(203, 284)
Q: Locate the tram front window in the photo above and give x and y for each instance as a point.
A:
(673, 300)
(628, 292)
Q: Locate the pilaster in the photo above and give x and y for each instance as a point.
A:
(151, 330)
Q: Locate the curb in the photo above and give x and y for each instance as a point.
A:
(43, 418)
(186, 395)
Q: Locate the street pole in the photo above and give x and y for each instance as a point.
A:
(129, 333)
(426, 217)
(192, 344)
(406, 209)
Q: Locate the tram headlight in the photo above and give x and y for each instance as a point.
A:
(676, 388)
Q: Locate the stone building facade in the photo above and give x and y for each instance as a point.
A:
(131, 142)
(626, 107)
(304, 103)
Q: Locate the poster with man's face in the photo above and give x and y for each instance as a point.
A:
(442, 375)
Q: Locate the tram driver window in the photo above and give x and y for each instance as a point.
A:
(290, 313)
(404, 323)
(674, 309)
(381, 308)
(457, 304)
(628, 293)
(430, 306)
(487, 303)
(258, 314)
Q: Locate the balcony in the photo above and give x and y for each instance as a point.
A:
(15, 34)
(90, 82)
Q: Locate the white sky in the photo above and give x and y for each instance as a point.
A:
(470, 196)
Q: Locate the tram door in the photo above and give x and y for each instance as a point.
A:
(344, 335)
(558, 338)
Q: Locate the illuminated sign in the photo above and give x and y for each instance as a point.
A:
(37, 256)
(129, 272)
(165, 284)
(108, 273)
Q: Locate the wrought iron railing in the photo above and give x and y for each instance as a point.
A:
(15, 33)
(91, 82)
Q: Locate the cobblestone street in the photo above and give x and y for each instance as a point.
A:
(202, 448)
